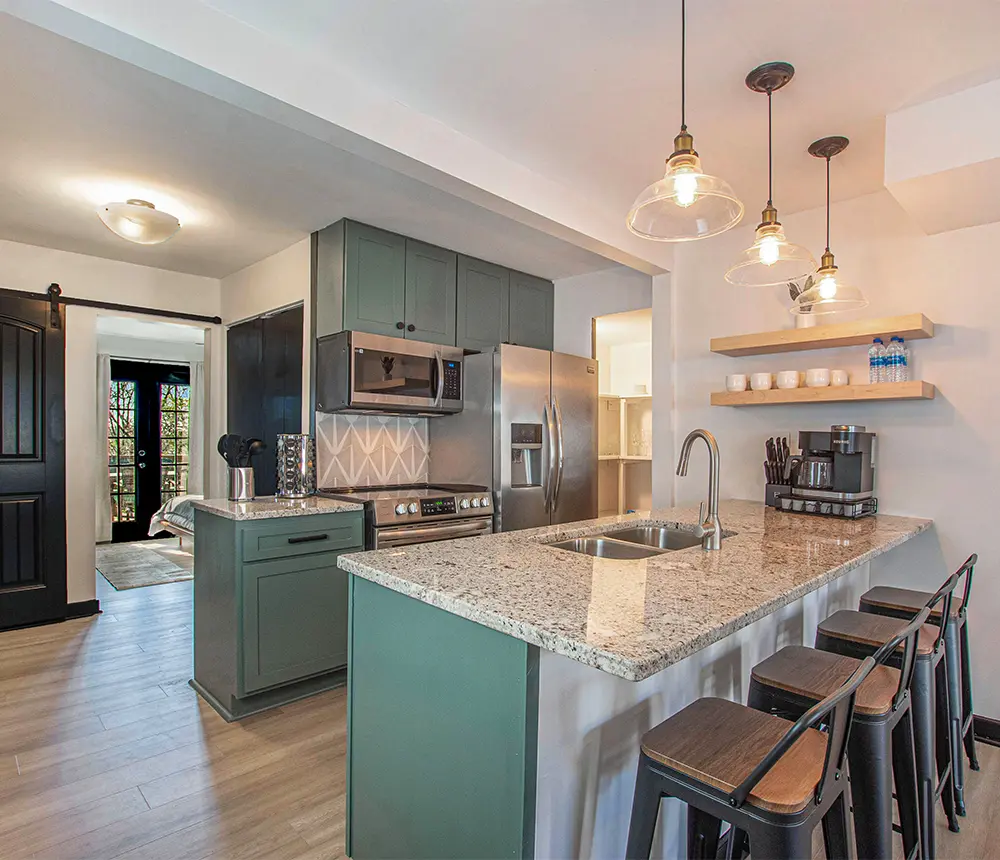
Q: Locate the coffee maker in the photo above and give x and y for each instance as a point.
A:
(834, 475)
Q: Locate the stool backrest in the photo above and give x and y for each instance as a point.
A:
(966, 571)
(944, 596)
(837, 712)
(908, 638)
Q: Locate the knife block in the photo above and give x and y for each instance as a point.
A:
(772, 491)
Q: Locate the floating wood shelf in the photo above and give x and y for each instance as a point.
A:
(915, 390)
(861, 332)
(626, 458)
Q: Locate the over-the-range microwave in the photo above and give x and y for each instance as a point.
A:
(369, 373)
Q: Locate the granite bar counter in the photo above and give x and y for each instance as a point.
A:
(511, 680)
(271, 507)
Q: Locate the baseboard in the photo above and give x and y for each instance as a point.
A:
(83, 608)
(987, 730)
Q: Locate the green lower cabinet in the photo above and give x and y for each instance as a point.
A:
(442, 733)
(531, 311)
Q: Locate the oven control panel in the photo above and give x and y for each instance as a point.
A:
(424, 508)
(437, 507)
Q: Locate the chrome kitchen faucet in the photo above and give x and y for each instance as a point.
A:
(709, 528)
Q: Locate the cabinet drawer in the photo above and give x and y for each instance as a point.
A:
(281, 538)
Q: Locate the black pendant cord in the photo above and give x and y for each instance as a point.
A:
(828, 204)
(770, 168)
(684, 65)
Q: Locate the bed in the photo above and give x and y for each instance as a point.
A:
(176, 517)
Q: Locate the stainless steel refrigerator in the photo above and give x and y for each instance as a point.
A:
(528, 430)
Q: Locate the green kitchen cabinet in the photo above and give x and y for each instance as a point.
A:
(483, 304)
(374, 280)
(431, 291)
(531, 308)
(270, 608)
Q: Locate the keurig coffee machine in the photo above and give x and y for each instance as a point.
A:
(834, 475)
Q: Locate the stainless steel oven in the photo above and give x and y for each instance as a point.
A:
(361, 373)
(390, 536)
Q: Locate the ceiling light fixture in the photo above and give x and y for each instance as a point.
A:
(686, 203)
(139, 221)
(771, 259)
(828, 294)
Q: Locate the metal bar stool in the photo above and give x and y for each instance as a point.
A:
(880, 748)
(771, 780)
(905, 603)
(861, 634)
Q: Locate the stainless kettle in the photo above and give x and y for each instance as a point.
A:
(810, 471)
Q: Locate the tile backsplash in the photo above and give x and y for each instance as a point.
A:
(361, 450)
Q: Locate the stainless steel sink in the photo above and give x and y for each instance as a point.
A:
(604, 548)
(659, 537)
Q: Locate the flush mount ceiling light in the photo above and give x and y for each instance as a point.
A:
(139, 221)
(771, 259)
(687, 203)
(828, 295)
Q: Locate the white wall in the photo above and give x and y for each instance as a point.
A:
(936, 459)
(119, 346)
(31, 268)
(581, 298)
(277, 281)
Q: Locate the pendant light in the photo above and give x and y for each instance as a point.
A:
(828, 294)
(139, 221)
(686, 203)
(771, 259)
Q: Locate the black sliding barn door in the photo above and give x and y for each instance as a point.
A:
(264, 385)
(32, 464)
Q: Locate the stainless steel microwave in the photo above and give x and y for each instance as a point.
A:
(364, 373)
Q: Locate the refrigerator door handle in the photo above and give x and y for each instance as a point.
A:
(560, 451)
(548, 416)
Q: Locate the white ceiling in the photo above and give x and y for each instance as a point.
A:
(586, 91)
(149, 329)
(81, 128)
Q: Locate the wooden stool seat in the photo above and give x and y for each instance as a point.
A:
(720, 742)
(905, 600)
(874, 630)
(814, 675)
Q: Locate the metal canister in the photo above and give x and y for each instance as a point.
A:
(296, 465)
(241, 484)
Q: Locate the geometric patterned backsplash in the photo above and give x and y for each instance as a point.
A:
(365, 450)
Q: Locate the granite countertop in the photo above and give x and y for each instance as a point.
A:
(269, 507)
(634, 618)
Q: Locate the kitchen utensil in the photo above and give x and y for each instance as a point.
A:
(736, 382)
(788, 379)
(760, 381)
(839, 377)
(786, 451)
(243, 455)
(817, 377)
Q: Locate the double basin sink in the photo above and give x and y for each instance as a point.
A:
(632, 543)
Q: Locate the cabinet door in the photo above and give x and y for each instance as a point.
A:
(374, 280)
(531, 302)
(483, 304)
(294, 620)
(430, 293)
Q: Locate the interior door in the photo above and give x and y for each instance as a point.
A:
(32, 463)
(148, 442)
(574, 390)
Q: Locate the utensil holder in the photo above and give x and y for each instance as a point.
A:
(241, 484)
(296, 466)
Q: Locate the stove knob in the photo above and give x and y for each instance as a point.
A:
(412, 507)
(475, 503)
(400, 508)
(463, 504)
(485, 501)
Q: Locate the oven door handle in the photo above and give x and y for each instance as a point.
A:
(391, 536)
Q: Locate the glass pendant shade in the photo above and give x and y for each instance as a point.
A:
(686, 204)
(828, 295)
(771, 260)
(139, 221)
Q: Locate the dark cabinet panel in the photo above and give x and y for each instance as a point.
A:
(483, 304)
(431, 291)
(531, 303)
(374, 280)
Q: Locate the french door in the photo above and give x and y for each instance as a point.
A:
(148, 442)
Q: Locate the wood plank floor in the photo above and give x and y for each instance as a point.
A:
(105, 752)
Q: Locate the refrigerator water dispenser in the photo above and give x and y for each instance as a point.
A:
(525, 455)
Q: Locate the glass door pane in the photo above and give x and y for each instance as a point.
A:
(121, 450)
(174, 440)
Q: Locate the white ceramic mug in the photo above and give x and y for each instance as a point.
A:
(736, 382)
(788, 379)
(839, 377)
(760, 381)
(817, 377)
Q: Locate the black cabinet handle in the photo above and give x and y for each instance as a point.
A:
(411, 327)
(399, 325)
(307, 538)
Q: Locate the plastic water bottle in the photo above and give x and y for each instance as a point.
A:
(891, 354)
(904, 370)
(876, 361)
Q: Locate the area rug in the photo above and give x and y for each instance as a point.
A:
(142, 563)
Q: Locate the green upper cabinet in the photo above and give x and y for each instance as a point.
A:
(430, 293)
(483, 304)
(531, 301)
(374, 280)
